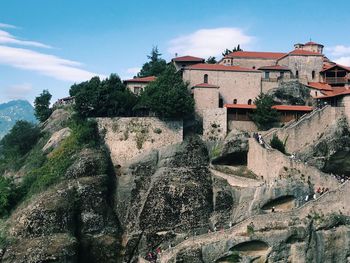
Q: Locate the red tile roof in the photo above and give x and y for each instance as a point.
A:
(275, 67)
(219, 67)
(300, 52)
(327, 67)
(205, 85)
(335, 93)
(145, 79)
(312, 43)
(320, 86)
(188, 59)
(253, 54)
(277, 107)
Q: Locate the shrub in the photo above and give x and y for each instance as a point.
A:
(277, 144)
(168, 96)
(265, 116)
(7, 195)
(20, 140)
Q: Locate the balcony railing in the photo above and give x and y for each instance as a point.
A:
(336, 80)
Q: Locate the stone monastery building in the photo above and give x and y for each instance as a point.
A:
(239, 77)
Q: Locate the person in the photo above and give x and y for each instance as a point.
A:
(159, 250)
(214, 228)
(315, 196)
(273, 209)
(307, 198)
(230, 224)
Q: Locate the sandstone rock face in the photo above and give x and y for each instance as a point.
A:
(56, 139)
(331, 152)
(231, 150)
(57, 121)
(291, 93)
(71, 222)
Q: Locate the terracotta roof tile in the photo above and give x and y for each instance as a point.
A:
(188, 59)
(205, 85)
(277, 107)
(320, 86)
(253, 54)
(275, 67)
(145, 79)
(300, 52)
(219, 67)
(312, 43)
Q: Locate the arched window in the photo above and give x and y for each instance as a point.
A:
(206, 78)
(313, 74)
(235, 101)
(297, 74)
(249, 102)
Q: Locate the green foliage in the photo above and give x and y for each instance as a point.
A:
(107, 98)
(265, 116)
(228, 51)
(19, 141)
(155, 66)
(42, 106)
(168, 96)
(250, 230)
(7, 195)
(277, 144)
(211, 60)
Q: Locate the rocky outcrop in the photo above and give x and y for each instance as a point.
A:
(71, 222)
(57, 121)
(331, 152)
(291, 93)
(232, 150)
(56, 139)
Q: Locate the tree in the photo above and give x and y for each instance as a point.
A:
(277, 144)
(211, 60)
(265, 116)
(228, 51)
(168, 96)
(107, 98)
(155, 66)
(42, 106)
(20, 140)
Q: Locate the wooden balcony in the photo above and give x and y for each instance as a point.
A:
(336, 80)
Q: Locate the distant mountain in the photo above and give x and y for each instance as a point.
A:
(13, 111)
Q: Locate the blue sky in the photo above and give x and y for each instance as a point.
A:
(53, 44)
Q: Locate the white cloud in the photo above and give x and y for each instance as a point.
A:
(343, 61)
(19, 91)
(2, 25)
(7, 38)
(209, 42)
(340, 54)
(45, 64)
(339, 50)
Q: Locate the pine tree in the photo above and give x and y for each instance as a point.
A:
(42, 106)
(265, 116)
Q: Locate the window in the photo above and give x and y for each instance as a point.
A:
(253, 67)
(221, 103)
(313, 74)
(249, 102)
(316, 93)
(206, 78)
(267, 75)
(297, 74)
(137, 90)
(282, 74)
(235, 101)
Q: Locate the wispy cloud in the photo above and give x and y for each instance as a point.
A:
(209, 42)
(134, 70)
(7, 38)
(46, 64)
(2, 25)
(340, 54)
(18, 91)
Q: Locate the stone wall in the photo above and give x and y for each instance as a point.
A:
(242, 86)
(308, 129)
(249, 62)
(345, 102)
(271, 164)
(248, 126)
(127, 138)
(305, 65)
(214, 124)
(205, 98)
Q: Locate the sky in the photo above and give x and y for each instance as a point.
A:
(54, 44)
